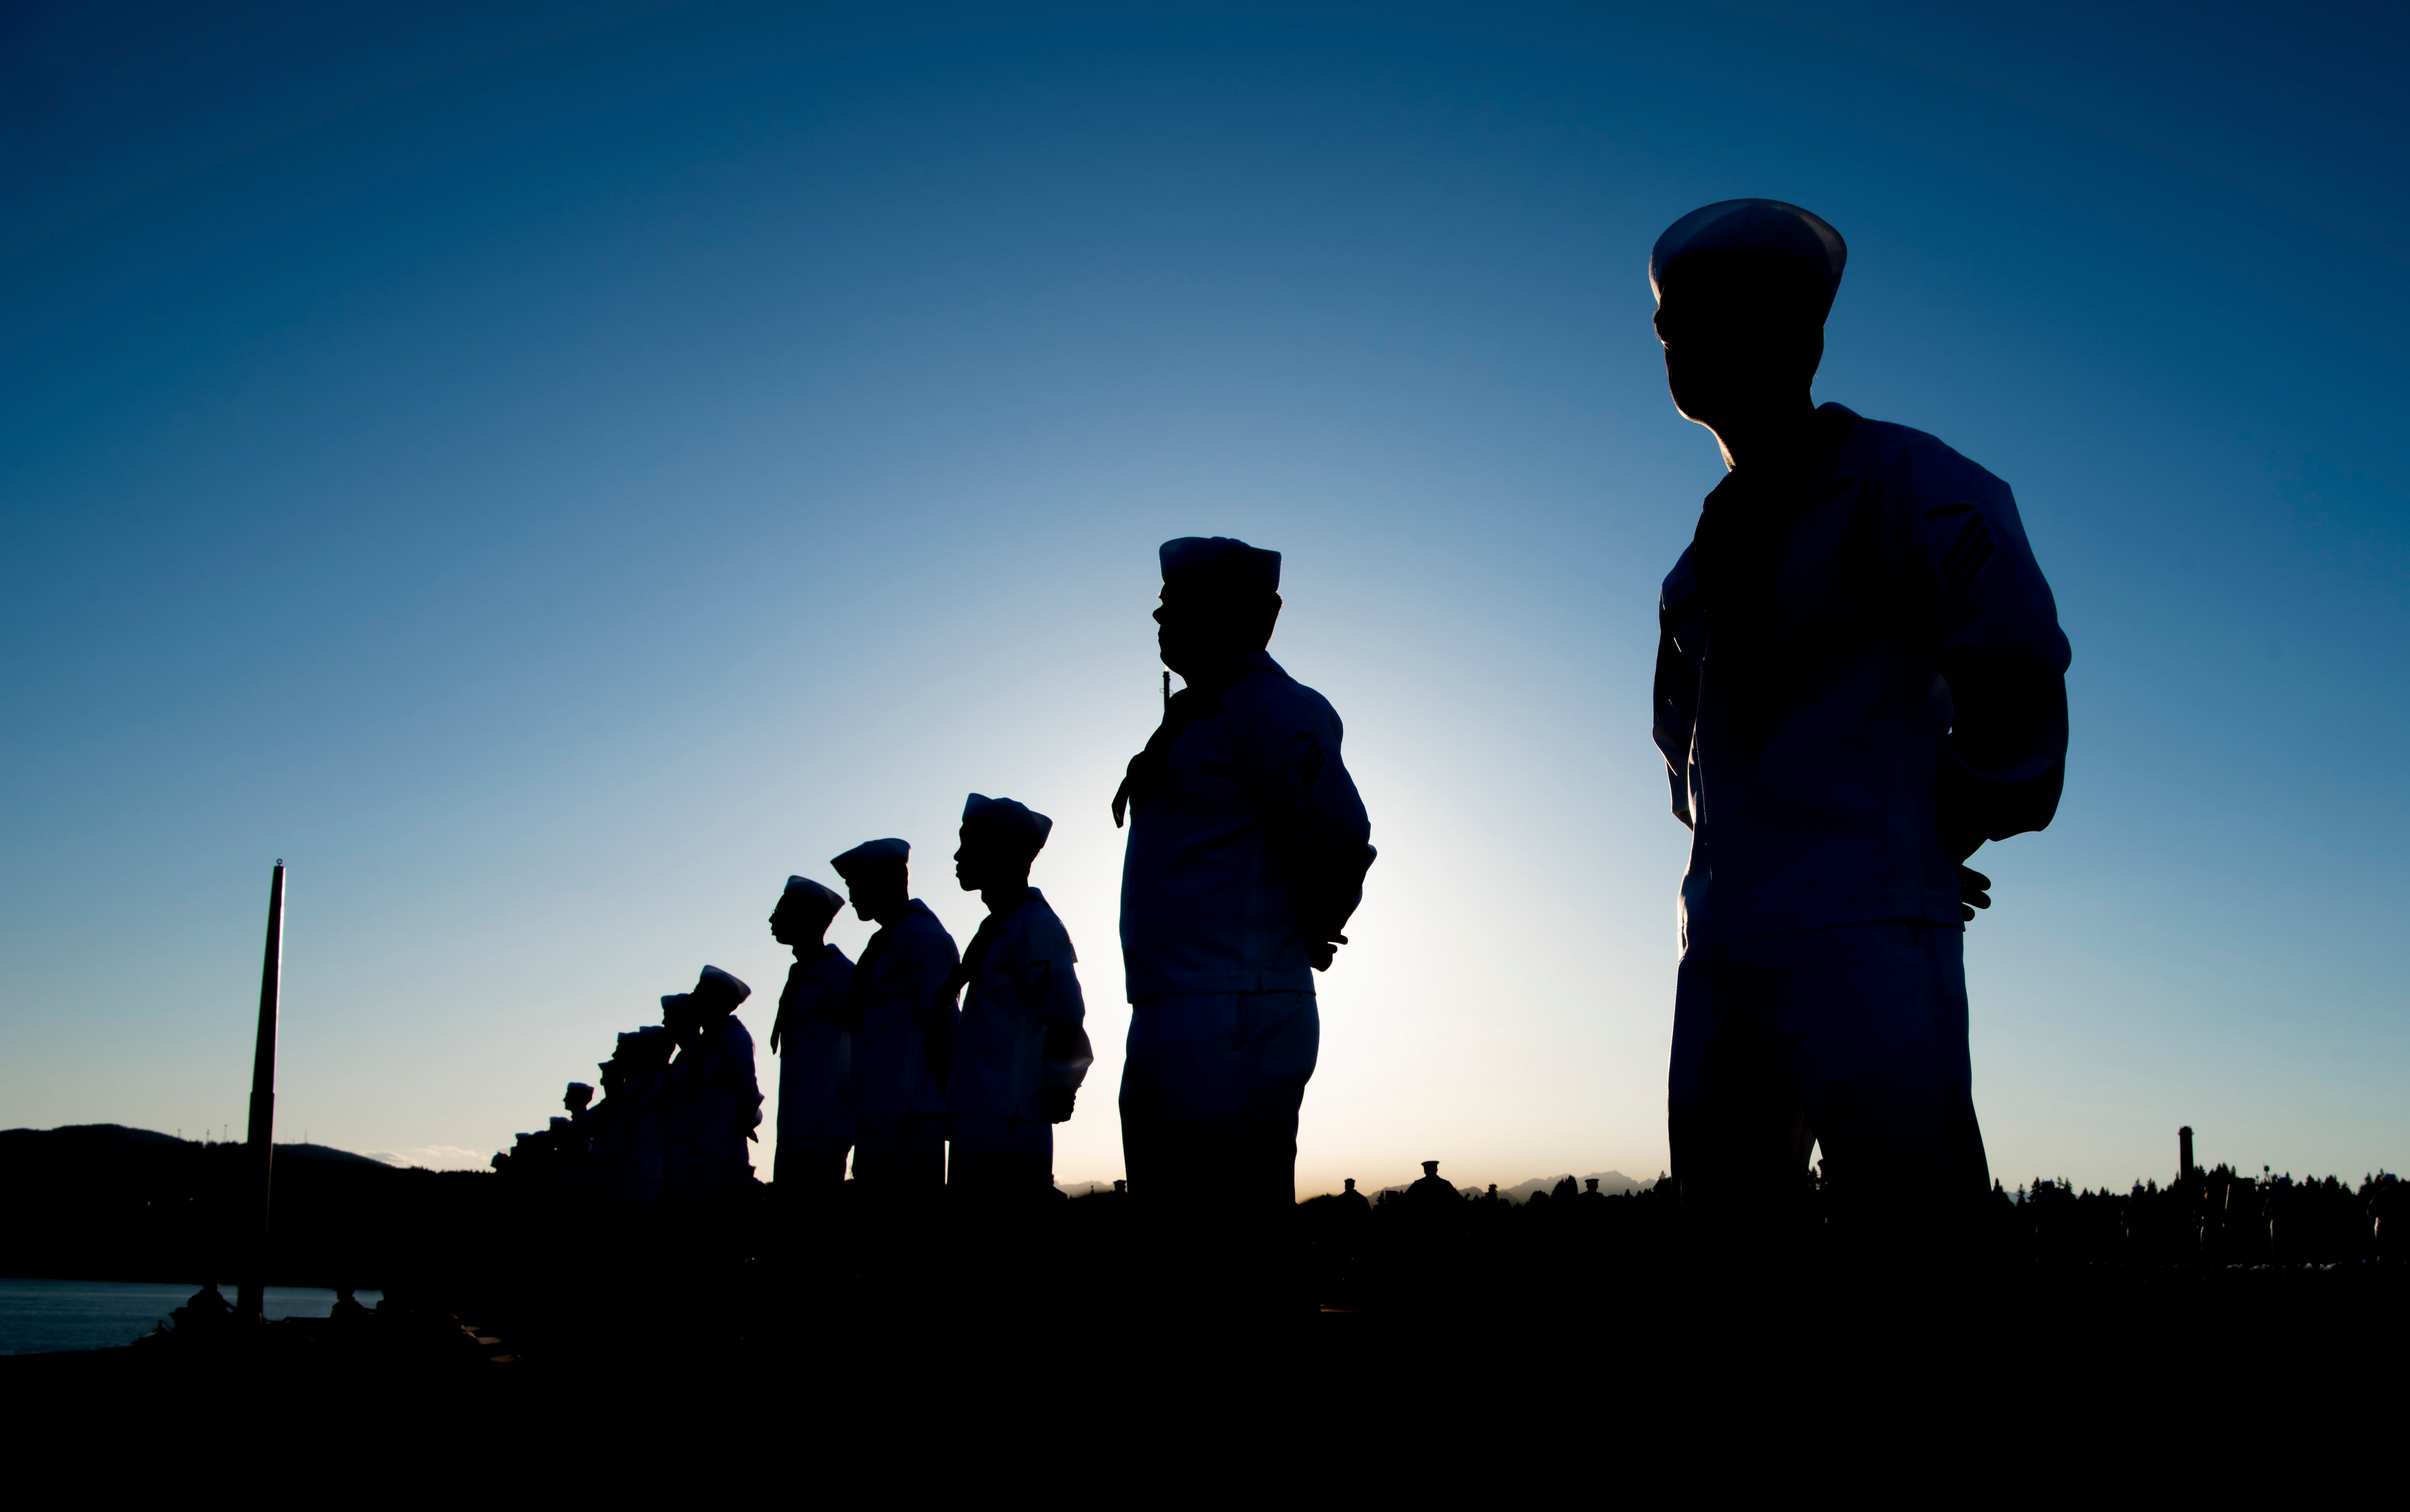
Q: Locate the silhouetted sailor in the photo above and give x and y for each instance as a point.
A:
(815, 1053)
(1353, 1201)
(1022, 1048)
(714, 1099)
(629, 1158)
(1860, 679)
(902, 1025)
(1430, 1189)
(1247, 852)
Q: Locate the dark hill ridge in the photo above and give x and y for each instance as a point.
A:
(90, 1142)
(103, 1201)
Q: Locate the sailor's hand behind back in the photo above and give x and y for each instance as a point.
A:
(1974, 891)
(1326, 951)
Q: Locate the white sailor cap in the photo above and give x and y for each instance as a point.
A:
(1020, 822)
(826, 899)
(871, 854)
(1796, 236)
(716, 990)
(1220, 561)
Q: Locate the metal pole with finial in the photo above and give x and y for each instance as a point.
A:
(259, 1155)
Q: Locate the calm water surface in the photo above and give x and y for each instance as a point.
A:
(40, 1316)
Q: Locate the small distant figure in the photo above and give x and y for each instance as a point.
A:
(1430, 1189)
(1860, 680)
(1248, 848)
(347, 1308)
(903, 1026)
(206, 1311)
(815, 1053)
(1022, 1048)
(1353, 1201)
(714, 1099)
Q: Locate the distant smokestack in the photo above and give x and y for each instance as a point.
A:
(2183, 1153)
(252, 1299)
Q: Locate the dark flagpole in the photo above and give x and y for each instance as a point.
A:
(260, 1152)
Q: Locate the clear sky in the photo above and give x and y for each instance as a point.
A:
(550, 472)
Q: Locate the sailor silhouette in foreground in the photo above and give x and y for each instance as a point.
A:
(713, 1102)
(815, 1053)
(1248, 846)
(1860, 679)
(902, 1030)
(1022, 1047)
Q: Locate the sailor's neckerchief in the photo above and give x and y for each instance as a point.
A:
(1200, 700)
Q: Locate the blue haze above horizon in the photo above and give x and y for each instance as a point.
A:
(550, 472)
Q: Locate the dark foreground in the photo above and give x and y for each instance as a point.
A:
(2108, 1377)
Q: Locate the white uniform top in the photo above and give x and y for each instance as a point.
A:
(815, 1053)
(893, 1001)
(1918, 696)
(1024, 996)
(1248, 838)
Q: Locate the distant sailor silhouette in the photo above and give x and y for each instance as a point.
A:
(902, 1032)
(1247, 851)
(815, 1053)
(714, 1100)
(1022, 1049)
(1860, 679)
(628, 1150)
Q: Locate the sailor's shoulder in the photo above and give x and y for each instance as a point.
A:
(1040, 927)
(1903, 454)
(1270, 694)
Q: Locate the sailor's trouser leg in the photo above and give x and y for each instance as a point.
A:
(1853, 1039)
(1210, 1097)
(900, 1152)
(810, 1164)
(1000, 1157)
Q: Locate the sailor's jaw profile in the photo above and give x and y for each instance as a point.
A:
(798, 925)
(1200, 631)
(880, 893)
(1742, 347)
(992, 864)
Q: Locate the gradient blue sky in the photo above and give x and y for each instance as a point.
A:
(548, 471)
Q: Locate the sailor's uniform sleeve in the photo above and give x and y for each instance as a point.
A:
(1674, 698)
(1999, 647)
(1050, 980)
(1290, 755)
(929, 961)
